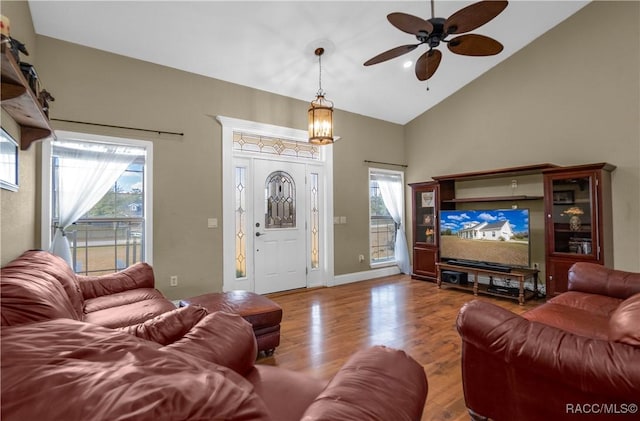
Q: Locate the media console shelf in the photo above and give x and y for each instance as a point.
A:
(521, 275)
(450, 180)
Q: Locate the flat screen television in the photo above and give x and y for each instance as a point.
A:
(498, 237)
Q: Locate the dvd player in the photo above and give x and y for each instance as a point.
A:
(511, 291)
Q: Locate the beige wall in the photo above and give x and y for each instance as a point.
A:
(363, 139)
(18, 225)
(95, 86)
(570, 97)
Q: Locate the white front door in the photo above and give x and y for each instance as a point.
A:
(279, 226)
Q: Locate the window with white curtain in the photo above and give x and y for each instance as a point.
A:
(387, 238)
(99, 190)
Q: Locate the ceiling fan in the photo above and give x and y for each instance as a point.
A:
(436, 30)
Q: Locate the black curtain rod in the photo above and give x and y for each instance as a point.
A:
(118, 127)
(385, 163)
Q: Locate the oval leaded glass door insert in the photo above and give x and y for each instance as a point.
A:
(280, 197)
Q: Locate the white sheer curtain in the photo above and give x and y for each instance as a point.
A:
(86, 172)
(391, 191)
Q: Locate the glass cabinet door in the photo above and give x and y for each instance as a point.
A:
(573, 218)
(425, 224)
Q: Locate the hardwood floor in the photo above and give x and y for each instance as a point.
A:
(322, 327)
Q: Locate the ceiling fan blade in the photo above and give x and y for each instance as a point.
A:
(473, 16)
(427, 64)
(409, 23)
(389, 54)
(474, 45)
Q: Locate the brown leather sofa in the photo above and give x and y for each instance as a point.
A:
(40, 286)
(577, 354)
(181, 364)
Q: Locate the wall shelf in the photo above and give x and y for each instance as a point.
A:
(499, 173)
(493, 199)
(21, 103)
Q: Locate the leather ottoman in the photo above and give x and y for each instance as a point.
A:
(263, 314)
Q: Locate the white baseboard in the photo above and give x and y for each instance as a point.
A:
(348, 278)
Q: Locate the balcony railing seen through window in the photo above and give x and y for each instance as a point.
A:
(382, 237)
(382, 228)
(106, 245)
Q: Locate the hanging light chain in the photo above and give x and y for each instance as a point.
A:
(319, 52)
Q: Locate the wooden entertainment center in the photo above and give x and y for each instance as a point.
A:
(575, 202)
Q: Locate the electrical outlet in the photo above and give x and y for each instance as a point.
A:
(173, 281)
(361, 258)
(514, 184)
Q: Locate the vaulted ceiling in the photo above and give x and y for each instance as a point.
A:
(269, 45)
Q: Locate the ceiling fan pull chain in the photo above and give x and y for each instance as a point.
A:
(426, 62)
(426, 66)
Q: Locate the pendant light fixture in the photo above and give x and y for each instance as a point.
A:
(320, 112)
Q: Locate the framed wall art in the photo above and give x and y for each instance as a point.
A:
(8, 162)
(563, 197)
(427, 199)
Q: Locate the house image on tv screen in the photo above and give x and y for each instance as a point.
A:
(490, 235)
(487, 231)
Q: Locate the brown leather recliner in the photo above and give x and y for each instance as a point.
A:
(179, 364)
(73, 370)
(577, 354)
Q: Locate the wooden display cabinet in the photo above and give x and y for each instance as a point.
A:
(426, 199)
(578, 220)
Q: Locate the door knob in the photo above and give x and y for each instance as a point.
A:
(258, 234)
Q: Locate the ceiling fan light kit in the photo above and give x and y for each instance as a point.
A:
(320, 112)
(434, 31)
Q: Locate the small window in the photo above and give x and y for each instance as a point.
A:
(8, 162)
(241, 222)
(280, 198)
(382, 227)
(112, 234)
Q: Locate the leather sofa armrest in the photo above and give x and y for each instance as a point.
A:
(168, 327)
(375, 383)
(222, 338)
(597, 279)
(516, 356)
(139, 275)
